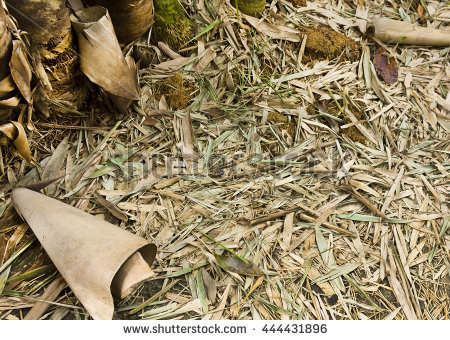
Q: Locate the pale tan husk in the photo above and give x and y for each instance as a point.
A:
(102, 60)
(400, 32)
(90, 254)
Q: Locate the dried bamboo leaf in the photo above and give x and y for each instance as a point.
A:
(202, 292)
(21, 70)
(272, 31)
(111, 207)
(16, 132)
(211, 285)
(335, 273)
(9, 103)
(54, 164)
(187, 142)
(361, 14)
(236, 265)
(7, 85)
(256, 285)
(21, 142)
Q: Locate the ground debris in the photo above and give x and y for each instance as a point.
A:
(324, 43)
(248, 145)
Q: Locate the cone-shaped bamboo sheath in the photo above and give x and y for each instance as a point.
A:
(93, 256)
(171, 25)
(250, 7)
(102, 60)
(131, 18)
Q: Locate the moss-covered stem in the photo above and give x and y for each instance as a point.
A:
(250, 7)
(171, 24)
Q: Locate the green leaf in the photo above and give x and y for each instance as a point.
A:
(94, 152)
(3, 278)
(202, 292)
(31, 274)
(112, 165)
(353, 282)
(342, 270)
(224, 247)
(15, 256)
(368, 218)
(206, 30)
(321, 244)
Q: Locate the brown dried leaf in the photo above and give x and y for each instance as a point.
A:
(210, 284)
(9, 103)
(187, 142)
(5, 44)
(386, 66)
(21, 69)
(21, 142)
(38, 186)
(256, 285)
(111, 207)
(236, 265)
(16, 132)
(420, 10)
(9, 130)
(6, 86)
(101, 59)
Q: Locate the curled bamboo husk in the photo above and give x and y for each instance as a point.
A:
(94, 257)
(171, 25)
(399, 32)
(15, 85)
(102, 60)
(15, 70)
(5, 44)
(250, 7)
(48, 23)
(131, 18)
